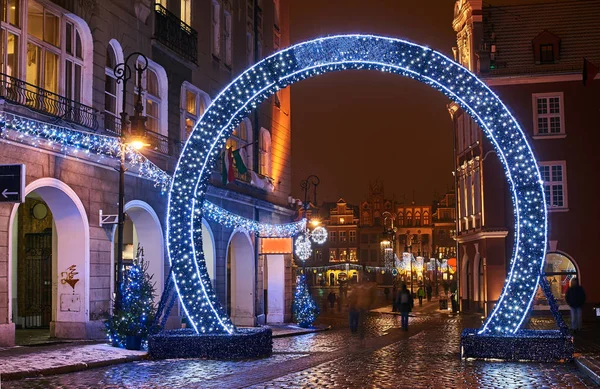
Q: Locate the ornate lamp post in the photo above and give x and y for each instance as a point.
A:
(131, 136)
(310, 181)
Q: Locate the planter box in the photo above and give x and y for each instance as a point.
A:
(245, 343)
(524, 345)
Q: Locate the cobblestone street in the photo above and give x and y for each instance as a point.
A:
(424, 357)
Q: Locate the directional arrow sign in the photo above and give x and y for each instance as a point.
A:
(12, 183)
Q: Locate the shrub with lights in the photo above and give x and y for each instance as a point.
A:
(130, 325)
(305, 309)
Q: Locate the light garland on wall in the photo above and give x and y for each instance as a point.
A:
(356, 52)
(78, 144)
(227, 219)
(303, 244)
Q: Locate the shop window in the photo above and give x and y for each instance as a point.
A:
(559, 271)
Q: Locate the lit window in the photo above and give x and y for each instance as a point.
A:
(193, 104)
(342, 236)
(352, 236)
(332, 255)
(554, 175)
(264, 152)
(559, 271)
(332, 236)
(186, 11)
(548, 114)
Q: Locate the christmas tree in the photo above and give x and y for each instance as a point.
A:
(136, 315)
(305, 308)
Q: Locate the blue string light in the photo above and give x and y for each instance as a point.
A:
(356, 52)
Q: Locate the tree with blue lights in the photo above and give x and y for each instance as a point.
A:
(305, 308)
(136, 315)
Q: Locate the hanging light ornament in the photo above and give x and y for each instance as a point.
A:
(319, 235)
(303, 247)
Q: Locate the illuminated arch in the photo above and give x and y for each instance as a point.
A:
(346, 52)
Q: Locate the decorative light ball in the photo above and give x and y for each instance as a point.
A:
(303, 247)
(319, 235)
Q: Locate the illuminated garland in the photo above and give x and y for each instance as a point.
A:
(227, 219)
(77, 144)
(356, 52)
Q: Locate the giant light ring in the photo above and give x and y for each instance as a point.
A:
(344, 52)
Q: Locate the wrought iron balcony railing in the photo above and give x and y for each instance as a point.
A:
(175, 34)
(112, 124)
(38, 99)
(158, 142)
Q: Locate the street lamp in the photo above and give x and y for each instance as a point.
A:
(131, 136)
(313, 181)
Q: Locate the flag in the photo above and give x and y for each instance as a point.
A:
(227, 173)
(239, 162)
(589, 72)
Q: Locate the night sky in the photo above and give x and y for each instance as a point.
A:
(352, 127)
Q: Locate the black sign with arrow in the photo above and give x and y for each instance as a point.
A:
(12, 183)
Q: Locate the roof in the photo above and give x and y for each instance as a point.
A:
(576, 23)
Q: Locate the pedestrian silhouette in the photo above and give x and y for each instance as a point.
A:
(575, 298)
(405, 305)
(331, 299)
(420, 295)
(429, 292)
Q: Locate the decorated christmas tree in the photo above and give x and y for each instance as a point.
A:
(133, 322)
(305, 308)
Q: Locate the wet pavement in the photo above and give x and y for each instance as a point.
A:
(427, 356)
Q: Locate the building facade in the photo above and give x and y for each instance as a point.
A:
(58, 62)
(532, 56)
(444, 227)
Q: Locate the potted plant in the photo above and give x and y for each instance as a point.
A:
(130, 325)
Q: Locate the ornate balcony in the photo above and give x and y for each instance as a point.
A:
(175, 34)
(158, 142)
(40, 100)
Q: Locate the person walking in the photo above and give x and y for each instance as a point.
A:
(353, 314)
(429, 291)
(405, 305)
(331, 299)
(420, 295)
(394, 299)
(575, 298)
(386, 291)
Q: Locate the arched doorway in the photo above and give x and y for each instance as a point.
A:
(559, 270)
(240, 280)
(208, 245)
(49, 261)
(142, 227)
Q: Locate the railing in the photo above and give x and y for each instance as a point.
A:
(41, 100)
(175, 34)
(112, 124)
(158, 142)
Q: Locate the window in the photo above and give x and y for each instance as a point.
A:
(186, 11)
(366, 218)
(332, 255)
(154, 97)
(319, 255)
(554, 175)
(216, 28)
(352, 255)
(352, 236)
(373, 257)
(43, 48)
(193, 104)
(401, 218)
(343, 255)
(112, 91)
(241, 139)
(373, 238)
(547, 53)
(560, 271)
(228, 39)
(548, 114)
(343, 236)
(426, 218)
(364, 255)
(408, 218)
(332, 236)
(276, 13)
(10, 12)
(418, 219)
(264, 152)
(364, 238)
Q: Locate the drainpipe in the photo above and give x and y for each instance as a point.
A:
(456, 218)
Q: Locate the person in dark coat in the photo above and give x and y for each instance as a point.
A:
(429, 290)
(405, 305)
(575, 298)
(331, 299)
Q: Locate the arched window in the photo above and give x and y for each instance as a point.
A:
(241, 139)
(193, 104)
(559, 270)
(409, 218)
(426, 218)
(154, 98)
(113, 94)
(400, 218)
(264, 152)
(366, 218)
(417, 218)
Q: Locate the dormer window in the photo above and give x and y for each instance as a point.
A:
(547, 53)
(546, 48)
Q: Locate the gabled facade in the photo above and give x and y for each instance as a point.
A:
(534, 63)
